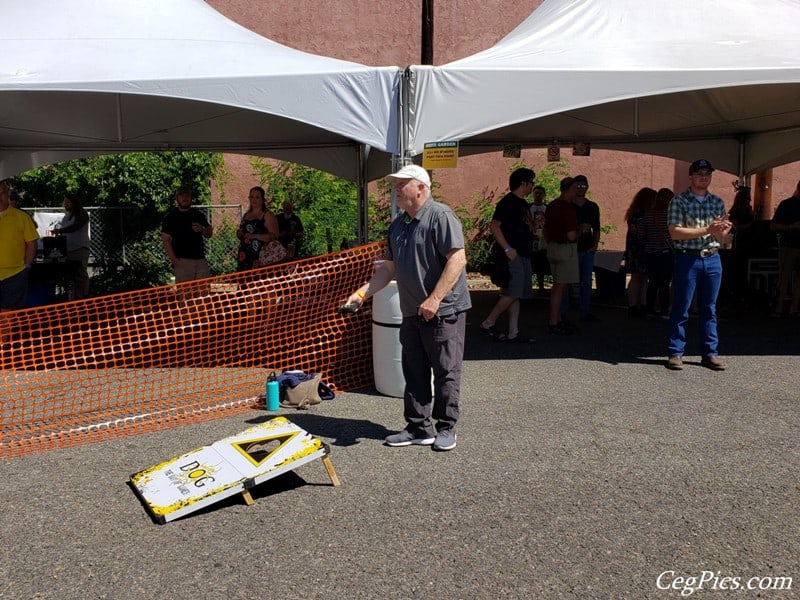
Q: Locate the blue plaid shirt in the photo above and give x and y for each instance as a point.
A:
(687, 211)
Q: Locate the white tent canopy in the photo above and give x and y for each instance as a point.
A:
(89, 77)
(677, 78)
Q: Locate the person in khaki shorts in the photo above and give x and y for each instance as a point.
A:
(182, 234)
(561, 233)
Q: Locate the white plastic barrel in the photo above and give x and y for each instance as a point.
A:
(386, 352)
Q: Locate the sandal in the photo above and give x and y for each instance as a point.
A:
(494, 333)
(521, 338)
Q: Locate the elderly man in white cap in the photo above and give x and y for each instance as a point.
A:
(426, 256)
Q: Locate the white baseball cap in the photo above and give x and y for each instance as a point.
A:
(412, 172)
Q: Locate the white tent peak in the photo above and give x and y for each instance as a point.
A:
(146, 34)
(87, 77)
(599, 30)
(678, 78)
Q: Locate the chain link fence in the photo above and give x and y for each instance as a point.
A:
(126, 248)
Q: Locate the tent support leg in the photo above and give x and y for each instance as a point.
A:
(363, 194)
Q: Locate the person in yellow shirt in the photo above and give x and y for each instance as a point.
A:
(18, 237)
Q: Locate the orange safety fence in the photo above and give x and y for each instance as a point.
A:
(143, 361)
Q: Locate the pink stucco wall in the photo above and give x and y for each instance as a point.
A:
(389, 33)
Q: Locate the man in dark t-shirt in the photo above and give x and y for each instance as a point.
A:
(510, 227)
(182, 233)
(588, 216)
(290, 229)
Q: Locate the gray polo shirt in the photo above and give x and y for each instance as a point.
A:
(419, 247)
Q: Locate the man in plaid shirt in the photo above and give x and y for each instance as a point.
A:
(697, 220)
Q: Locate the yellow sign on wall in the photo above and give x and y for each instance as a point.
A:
(440, 155)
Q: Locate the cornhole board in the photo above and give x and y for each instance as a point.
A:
(187, 483)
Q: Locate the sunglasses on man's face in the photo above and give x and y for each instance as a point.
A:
(581, 186)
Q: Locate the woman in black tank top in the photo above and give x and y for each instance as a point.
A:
(259, 227)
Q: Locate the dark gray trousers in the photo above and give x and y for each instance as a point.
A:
(434, 347)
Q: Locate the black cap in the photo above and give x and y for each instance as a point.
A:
(700, 164)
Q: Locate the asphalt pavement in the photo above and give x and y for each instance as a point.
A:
(584, 469)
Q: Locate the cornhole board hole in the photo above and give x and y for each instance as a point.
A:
(233, 465)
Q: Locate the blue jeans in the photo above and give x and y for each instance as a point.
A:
(585, 267)
(705, 276)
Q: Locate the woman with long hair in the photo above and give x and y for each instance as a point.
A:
(658, 254)
(75, 227)
(742, 216)
(634, 250)
(741, 213)
(259, 227)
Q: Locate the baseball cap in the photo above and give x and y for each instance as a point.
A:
(700, 164)
(412, 172)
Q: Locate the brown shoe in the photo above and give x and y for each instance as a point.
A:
(713, 362)
(675, 363)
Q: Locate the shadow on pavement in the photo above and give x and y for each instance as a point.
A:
(618, 338)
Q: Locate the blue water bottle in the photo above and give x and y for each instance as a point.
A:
(273, 392)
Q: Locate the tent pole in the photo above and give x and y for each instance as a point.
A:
(406, 82)
(400, 159)
(741, 172)
(762, 194)
(363, 194)
(119, 117)
(426, 51)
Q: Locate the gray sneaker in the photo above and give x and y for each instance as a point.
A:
(445, 440)
(406, 438)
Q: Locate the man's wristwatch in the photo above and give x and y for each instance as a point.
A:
(509, 249)
(28, 265)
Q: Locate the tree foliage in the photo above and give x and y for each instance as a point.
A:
(145, 180)
(143, 183)
(327, 205)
